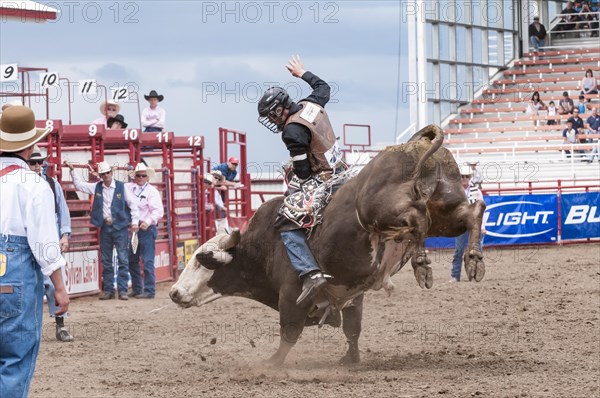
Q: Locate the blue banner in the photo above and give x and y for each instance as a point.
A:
(580, 215)
(439, 243)
(521, 219)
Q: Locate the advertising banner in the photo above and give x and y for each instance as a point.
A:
(162, 261)
(82, 272)
(580, 215)
(521, 219)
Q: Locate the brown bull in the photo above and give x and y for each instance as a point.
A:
(373, 225)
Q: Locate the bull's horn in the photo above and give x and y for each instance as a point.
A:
(221, 242)
(228, 241)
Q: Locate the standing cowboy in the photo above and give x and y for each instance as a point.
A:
(113, 210)
(29, 249)
(151, 211)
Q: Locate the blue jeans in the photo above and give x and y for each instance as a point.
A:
(593, 154)
(49, 292)
(299, 252)
(146, 249)
(110, 237)
(21, 303)
(152, 129)
(537, 43)
(460, 243)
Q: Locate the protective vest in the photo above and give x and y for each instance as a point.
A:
(119, 210)
(324, 152)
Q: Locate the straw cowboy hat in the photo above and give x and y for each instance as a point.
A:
(465, 169)
(217, 174)
(209, 179)
(37, 154)
(17, 129)
(104, 167)
(154, 94)
(11, 103)
(141, 167)
(118, 118)
(109, 102)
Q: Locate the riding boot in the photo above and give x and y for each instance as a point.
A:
(62, 334)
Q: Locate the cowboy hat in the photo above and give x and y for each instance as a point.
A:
(119, 118)
(141, 167)
(109, 102)
(208, 178)
(17, 129)
(37, 154)
(465, 169)
(11, 103)
(217, 174)
(154, 94)
(103, 167)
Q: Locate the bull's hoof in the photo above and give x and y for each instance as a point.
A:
(351, 357)
(424, 276)
(479, 270)
(474, 266)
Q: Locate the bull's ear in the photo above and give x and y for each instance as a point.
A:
(213, 259)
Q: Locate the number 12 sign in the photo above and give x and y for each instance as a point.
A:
(120, 94)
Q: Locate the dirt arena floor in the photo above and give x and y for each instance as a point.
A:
(531, 328)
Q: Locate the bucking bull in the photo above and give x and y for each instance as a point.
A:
(373, 225)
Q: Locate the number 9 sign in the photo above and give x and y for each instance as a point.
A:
(9, 73)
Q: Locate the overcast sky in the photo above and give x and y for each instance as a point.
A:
(212, 60)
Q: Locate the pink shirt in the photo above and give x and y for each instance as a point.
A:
(101, 120)
(149, 201)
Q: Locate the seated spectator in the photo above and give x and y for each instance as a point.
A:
(569, 21)
(228, 170)
(569, 135)
(565, 105)
(551, 112)
(153, 117)
(537, 35)
(581, 105)
(578, 124)
(589, 85)
(535, 106)
(587, 18)
(592, 124)
(117, 122)
(108, 109)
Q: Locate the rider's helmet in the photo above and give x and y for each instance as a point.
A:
(271, 106)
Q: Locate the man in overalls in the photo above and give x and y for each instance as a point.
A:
(29, 249)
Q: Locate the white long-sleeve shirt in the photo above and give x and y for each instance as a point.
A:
(27, 209)
(153, 117)
(107, 197)
(149, 202)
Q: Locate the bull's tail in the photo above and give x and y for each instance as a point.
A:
(435, 135)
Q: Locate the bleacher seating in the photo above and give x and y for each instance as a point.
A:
(494, 128)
